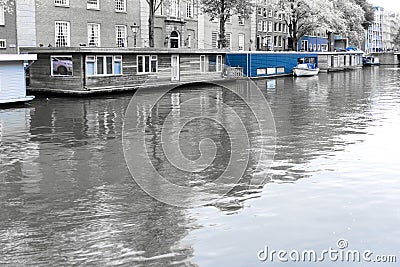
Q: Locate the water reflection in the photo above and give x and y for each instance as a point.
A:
(67, 197)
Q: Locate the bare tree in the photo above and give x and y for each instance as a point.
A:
(154, 5)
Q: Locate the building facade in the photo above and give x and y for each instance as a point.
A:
(237, 33)
(101, 23)
(271, 29)
(8, 32)
(381, 34)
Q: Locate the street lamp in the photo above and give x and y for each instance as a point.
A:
(134, 29)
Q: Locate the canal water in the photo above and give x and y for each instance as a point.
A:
(68, 198)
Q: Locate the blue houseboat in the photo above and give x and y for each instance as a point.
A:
(264, 64)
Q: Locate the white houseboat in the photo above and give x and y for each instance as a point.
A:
(12, 78)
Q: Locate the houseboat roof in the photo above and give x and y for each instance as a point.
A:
(15, 57)
(119, 50)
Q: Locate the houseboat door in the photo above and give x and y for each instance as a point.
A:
(175, 67)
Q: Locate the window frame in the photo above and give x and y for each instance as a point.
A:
(125, 43)
(189, 9)
(2, 16)
(91, 6)
(61, 4)
(94, 59)
(98, 34)
(59, 75)
(116, 4)
(151, 58)
(68, 37)
(4, 42)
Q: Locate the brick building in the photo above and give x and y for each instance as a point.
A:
(271, 29)
(8, 32)
(101, 23)
(237, 33)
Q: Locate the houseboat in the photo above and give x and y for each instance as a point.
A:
(90, 70)
(257, 64)
(12, 78)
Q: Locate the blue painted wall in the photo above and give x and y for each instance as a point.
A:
(311, 41)
(252, 61)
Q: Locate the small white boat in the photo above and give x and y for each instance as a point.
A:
(305, 69)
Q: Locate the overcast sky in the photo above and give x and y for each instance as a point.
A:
(393, 5)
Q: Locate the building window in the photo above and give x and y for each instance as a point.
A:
(174, 8)
(241, 41)
(3, 43)
(147, 64)
(264, 28)
(241, 20)
(61, 66)
(269, 26)
(93, 34)
(270, 13)
(214, 39)
(62, 36)
(93, 4)
(229, 19)
(120, 35)
(260, 24)
(2, 19)
(189, 8)
(61, 2)
(120, 5)
(228, 38)
(211, 63)
(103, 65)
(304, 45)
(319, 47)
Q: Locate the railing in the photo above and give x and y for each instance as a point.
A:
(234, 72)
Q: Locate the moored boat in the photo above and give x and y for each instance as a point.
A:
(371, 61)
(305, 69)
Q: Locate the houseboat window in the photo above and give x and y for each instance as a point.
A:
(90, 68)
(61, 66)
(261, 71)
(147, 64)
(271, 70)
(117, 64)
(212, 63)
(219, 63)
(280, 70)
(103, 65)
(100, 66)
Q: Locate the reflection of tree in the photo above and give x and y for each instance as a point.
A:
(86, 209)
